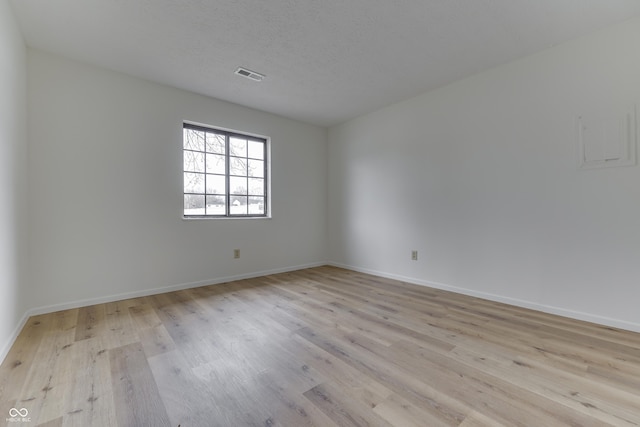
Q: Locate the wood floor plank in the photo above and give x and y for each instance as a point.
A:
(319, 347)
(91, 322)
(398, 411)
(135, 393)
(144, 316)
(476, 419)
(20, 360)
(58, 422)
(401, 382)
(89, 399)
(342, 410)
(46, 383)
(187, 398)
(156, 340)
(361, 387)
(119, 329)
(483, 374)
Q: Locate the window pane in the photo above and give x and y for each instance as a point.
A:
(256, 205)
(193, 161)
(216, 164)
(256, 168)
(193, 140)
(237, 166)
(256, 150)
(238, 205)
(216, 184)
(193, 183)
(216, 205)
(224, 174)
(193, 205)
(256, 186)
(215, 143)
(238, 185)
(238, 147)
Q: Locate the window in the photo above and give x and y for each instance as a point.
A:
(225, 173)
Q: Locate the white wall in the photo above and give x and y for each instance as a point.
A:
(481, 178)
(105, 167)
(13, 185)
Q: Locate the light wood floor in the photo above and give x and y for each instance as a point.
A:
(323, 347)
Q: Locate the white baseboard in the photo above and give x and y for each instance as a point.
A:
(142, 293)
(578, 315)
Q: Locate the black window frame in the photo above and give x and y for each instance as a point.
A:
(228, 134)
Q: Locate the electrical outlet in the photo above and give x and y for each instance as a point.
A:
(236, 253)
(414, 255)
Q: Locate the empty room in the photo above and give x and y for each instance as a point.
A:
(319, 213)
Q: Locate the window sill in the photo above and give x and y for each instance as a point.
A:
(187, 218)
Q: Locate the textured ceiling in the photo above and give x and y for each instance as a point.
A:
(326, 61)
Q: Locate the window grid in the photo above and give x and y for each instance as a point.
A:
(241, 155)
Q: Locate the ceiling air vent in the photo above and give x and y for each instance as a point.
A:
(250, 74)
